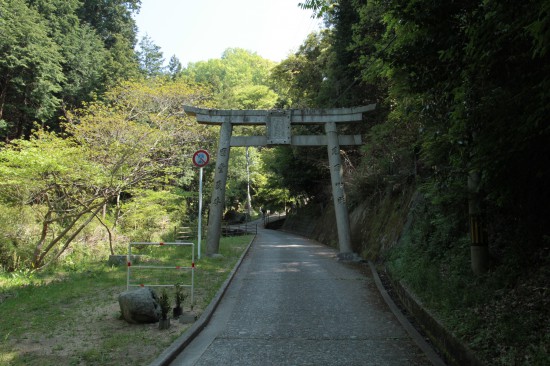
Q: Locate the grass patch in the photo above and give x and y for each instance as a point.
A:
(72, 317)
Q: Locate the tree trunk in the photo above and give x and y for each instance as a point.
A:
(40, 255)
(69, 240)
(38, 249)
(117, 210)
(108, 232)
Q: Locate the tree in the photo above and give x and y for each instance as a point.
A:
(122, 62)
(30, 68)
(320, 7)
(254, 97)
(237, 69)
(299, 176)
(84, 57)
(135, 140)
(150, 56)
(469, 76)
(299, 78)
(239, 80)
(463, 82)
(112, 19)
(85, 62)
(58, 54)
(174, 67)
(54, 176)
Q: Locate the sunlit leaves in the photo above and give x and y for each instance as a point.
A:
(134, 141)
(31, 167)
(140, 130)
(239, 80)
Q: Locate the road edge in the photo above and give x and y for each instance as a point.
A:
(170, 353)
(409, 328)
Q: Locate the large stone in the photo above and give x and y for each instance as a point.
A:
(139, 306)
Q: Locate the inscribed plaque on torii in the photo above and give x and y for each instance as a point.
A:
(278, 128)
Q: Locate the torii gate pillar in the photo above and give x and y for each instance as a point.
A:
(217, 202)
(279, 133)
(338, 193)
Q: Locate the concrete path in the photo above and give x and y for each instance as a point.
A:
(292, 303)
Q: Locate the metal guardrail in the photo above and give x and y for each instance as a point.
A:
(237, 229)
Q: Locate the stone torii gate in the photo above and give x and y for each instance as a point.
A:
(278, 123)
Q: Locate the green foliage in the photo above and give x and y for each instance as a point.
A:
(320, 7)
(31, 68)
(179, 296)
(164, 302)
(460, 86)
(389, 161)
(113, 20)
(54, 176)
(483, 311)
(299, 77)
(236, 188)
(17, 229)
(239, 79)
(149, 214)
(254, 97)
(174, 67)
(84, 57)
(291, 175)
(151, 60)
(130, 145)
(58, 54)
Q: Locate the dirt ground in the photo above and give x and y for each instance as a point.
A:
(93, 333)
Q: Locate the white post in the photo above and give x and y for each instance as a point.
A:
(193, 271)
(199, 234)
(128, 264)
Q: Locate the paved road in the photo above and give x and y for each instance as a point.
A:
(292, 303)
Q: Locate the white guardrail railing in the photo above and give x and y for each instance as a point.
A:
(155, 264)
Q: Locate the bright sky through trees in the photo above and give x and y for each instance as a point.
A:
(201, 30)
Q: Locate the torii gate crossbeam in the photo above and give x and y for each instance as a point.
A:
(278, 123)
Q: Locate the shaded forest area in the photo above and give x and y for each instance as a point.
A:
(96, 148)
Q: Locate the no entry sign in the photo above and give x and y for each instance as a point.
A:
(201, 158)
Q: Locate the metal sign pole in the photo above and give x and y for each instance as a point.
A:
(199, 234)
(200, 159)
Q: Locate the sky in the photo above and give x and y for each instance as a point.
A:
(199, 30)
